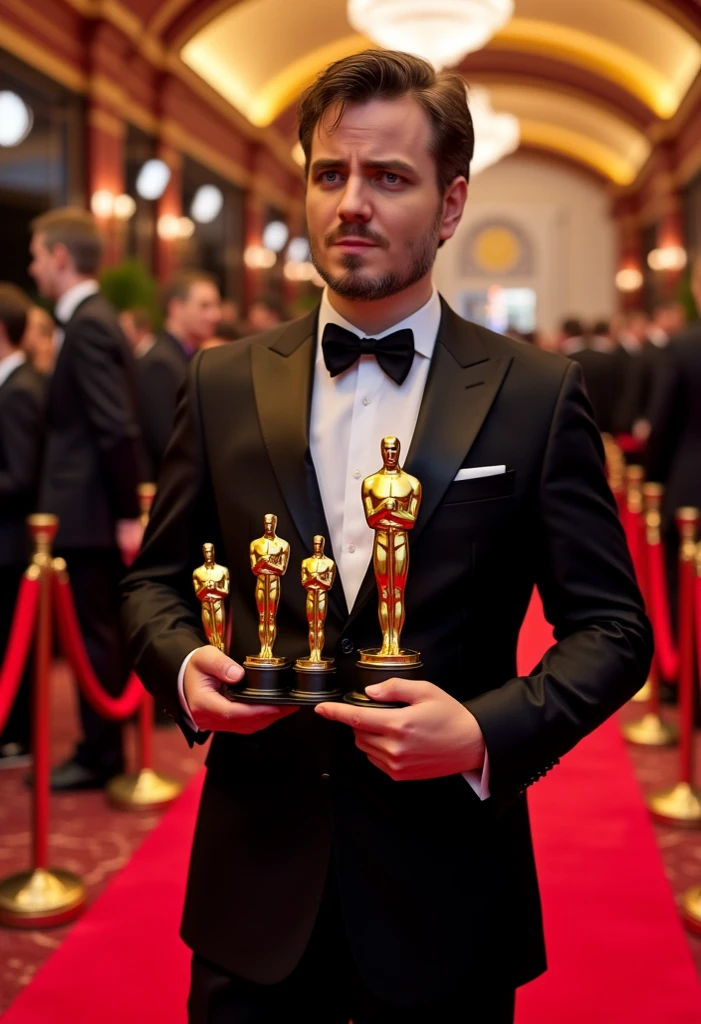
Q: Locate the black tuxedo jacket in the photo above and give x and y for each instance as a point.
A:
(21, 437)
(600, 373)
(93, 459)
(160, 375)
(437, 888)
(674, 446)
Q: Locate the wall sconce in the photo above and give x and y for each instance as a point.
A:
(304, 271)
(170, 227)
(152, 179)
(275, 235)
(629, 280)
(670, 257)
(105, 205)
(257, 257)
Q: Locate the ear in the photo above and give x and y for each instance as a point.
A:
(62, 258)
(454, 201)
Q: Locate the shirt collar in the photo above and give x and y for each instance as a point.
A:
(71, 299)
(9, 364)
(424, 323)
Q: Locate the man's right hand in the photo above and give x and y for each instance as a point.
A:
(205, 672)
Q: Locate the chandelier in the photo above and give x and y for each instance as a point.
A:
(442, 31)
(496, 135)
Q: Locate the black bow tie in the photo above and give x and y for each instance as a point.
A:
(394, 352)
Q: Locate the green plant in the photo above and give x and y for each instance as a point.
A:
(130, 284)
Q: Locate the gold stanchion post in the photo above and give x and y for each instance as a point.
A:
(681, 805)
(634, 476)
(651, 730)
(691, 904)
(42, 896)
(147, 790)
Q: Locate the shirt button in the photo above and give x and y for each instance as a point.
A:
(347, 645)
(366, 400)
(351, 548)
(357, 474)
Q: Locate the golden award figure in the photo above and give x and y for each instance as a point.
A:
(211, 583)
(266, 676)
(313, 673)
(391, 500)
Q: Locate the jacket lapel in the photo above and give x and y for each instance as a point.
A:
(463, 382)
(283, 373)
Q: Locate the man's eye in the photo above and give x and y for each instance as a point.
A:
(330, 177)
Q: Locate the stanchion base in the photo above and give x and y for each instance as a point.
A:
(143, 792)
(644, 693)
(679, 806)
(651, 731)
(40, 898)
(691, 909)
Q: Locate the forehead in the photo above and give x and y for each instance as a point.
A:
(375, 129)
(202, 291)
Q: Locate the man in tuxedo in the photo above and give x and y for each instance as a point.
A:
(21, 436)
(91, 467)
(377, 863)
(192, 304)
(593, 351)
(673, 454)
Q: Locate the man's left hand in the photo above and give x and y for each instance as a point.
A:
(435, 736)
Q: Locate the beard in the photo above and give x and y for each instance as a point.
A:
(355, 283)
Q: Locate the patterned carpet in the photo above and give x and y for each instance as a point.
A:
(95, 841)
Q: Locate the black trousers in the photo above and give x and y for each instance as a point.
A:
(18, 726)
(95, 575)
(326, 988)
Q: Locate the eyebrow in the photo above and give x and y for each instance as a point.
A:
(392, 164)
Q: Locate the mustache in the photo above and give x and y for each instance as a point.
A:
(355, 231)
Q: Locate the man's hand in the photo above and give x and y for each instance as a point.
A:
(130, 533)
(433, 737)
(206, 670)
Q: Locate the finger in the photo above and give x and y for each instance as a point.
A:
(379, 720)
(255, 723)
(215, 663)
(406, 690)
(382, 747)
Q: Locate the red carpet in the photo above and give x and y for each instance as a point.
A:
(617, 951)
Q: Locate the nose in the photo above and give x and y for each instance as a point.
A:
(354, 206)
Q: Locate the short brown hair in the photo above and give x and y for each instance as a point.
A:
(77, 230)
(141, 318)
(14, 307)
(178, 287)
(389, 74)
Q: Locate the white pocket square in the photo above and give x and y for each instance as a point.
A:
(479, 471)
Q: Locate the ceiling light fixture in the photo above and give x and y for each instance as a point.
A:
(152, 179)
(207, 204)
(442, 31)
(496, 135)
(16, 119)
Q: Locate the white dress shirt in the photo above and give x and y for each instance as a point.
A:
(350, 414)
(68, 303)
(9, 364)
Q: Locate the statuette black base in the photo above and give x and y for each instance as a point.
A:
(262, 684)
(368, 674)
(314, 682)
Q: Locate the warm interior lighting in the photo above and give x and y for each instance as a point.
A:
(275, 235)
(671, 257)
(257, 257)
(442, 31)
(496, 135)
(298, 250)
(124, 206)
(186, 227)
(102, 203)
(168, 226)
(629, 280)
(304, 271)
(207, 204)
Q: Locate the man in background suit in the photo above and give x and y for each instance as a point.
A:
(191, 301)
(592, 351)
(673, 454)
(92, 466)
(21, 436)
(354, 862)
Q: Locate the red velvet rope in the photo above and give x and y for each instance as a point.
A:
(634, 527)
(17, 652)
(658, 601)
(628, 444)
(114, 708)
(697, 595)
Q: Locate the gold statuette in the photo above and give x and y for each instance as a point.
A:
(269, 557)
(318, 575)
(391, 500)
(211, 583)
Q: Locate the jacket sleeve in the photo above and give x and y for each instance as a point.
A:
(21, 436)
(159, 392)
(586, 581)
(161, 614)
(108, 397)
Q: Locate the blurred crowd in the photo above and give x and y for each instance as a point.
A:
(87, 400)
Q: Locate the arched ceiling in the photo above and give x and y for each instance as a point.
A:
(588, 79)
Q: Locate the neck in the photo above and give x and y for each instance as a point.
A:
(179, 334)
(381, 314)
(6, 349)
(71, 282)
